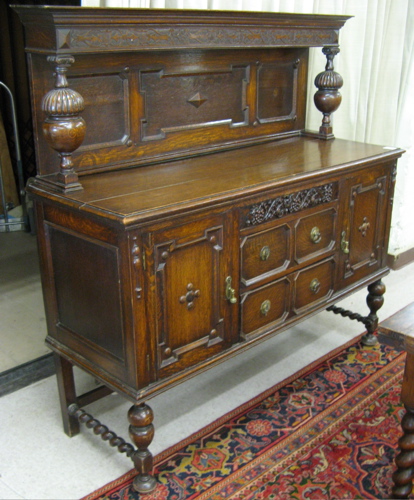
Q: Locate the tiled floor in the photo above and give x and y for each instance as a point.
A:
(38, 461)
(23, 325)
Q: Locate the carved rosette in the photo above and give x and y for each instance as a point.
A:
(328, 98)
(63, 128)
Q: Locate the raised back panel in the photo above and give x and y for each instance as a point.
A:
(145, 107)
(162, 84)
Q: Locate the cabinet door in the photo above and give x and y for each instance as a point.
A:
(195, 320)
(363, 244)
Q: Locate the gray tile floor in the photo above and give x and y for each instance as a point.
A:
(23, 325)
(38, 461)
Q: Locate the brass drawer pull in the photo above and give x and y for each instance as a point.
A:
(344, 243)
(265, 253)
(230, 292)
(315, 235)
(315, 286)
(265, 307)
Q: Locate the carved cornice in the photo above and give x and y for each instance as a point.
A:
(145, 38)
(289, 204)
(80, 30)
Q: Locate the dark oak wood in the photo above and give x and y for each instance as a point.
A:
(193, 215)
(398, 331)
(328, 98)
(67, 394)
(375, 300)
(141, 430)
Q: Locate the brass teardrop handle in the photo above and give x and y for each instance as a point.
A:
(315, 234)
(344, 243)
(265, 253)
(265, 307)
(230, 292)
(315, 285)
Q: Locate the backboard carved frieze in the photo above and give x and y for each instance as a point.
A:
(176, 37)
(290, 203)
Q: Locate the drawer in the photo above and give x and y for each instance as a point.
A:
(315, 235)
(313, 285)
(265, 253)
(264, 306)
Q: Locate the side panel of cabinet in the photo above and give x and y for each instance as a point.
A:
(85, 279)
(194, 319)
(366, 224)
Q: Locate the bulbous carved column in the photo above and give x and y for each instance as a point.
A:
(63, 128)
(375, 300)
(327, 99)
(141, 430)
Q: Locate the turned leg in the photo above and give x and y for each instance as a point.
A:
(141, 430)
(375, 300)
(67, 394)
(404, 475)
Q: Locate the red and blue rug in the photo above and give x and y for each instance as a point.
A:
(328, 432)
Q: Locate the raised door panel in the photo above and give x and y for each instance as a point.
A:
(193, 314)
(362, 239)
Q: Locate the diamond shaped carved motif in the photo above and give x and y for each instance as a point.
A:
(197, 100)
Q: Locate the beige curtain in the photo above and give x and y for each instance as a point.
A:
(376, 62)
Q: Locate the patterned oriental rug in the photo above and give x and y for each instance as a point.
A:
(328, 432)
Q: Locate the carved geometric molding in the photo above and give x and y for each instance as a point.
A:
(142, 37)
(197, 100)
(289, 204)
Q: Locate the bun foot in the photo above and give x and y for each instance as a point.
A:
(144, 483)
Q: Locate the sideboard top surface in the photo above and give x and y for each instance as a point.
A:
(135, 195)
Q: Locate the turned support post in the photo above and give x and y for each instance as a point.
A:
(328, 98)
(404, 475)
(63, 128)
(141, 431)
(375, 300)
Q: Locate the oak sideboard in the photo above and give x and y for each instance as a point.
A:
(183, 211)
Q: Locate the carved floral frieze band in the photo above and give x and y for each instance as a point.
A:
(289, 204)
(202, 36)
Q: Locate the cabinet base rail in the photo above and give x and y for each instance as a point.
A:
(141, 431)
